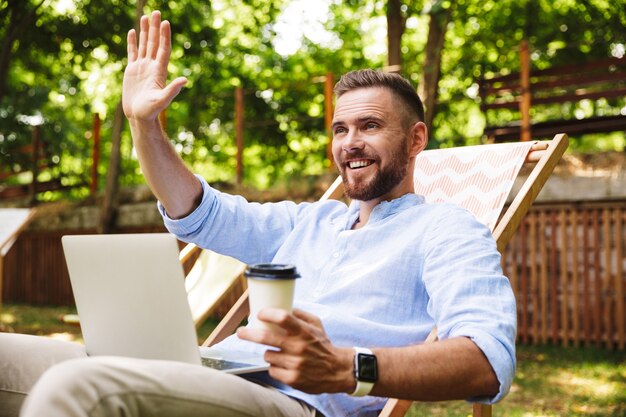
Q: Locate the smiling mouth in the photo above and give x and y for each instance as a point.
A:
(361, 163)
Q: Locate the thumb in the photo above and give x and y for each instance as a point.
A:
(172, 89)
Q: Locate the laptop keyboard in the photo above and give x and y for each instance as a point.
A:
(221, 364)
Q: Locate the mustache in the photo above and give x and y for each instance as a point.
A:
(357, 154)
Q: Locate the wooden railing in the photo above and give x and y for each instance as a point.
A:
(36, 158)
(566, 265)
(573, 83)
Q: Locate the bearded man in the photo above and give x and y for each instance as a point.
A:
(376, 276)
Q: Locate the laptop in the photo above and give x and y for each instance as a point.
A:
(131, 300)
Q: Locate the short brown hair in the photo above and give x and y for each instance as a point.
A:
(369, 78)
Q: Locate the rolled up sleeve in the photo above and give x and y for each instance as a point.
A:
(469, 295)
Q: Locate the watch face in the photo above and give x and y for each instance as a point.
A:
(367, 367)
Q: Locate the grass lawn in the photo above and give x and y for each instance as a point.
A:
(555, 381)
(49, 321)
(550, 381)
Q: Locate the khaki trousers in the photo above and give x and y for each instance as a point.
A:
(61, 381)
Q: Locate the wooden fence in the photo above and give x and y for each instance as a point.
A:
(566, 265)
(35, 271)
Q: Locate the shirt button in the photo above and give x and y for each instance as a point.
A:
(336, 255)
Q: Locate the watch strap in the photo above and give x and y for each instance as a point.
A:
(362, 387)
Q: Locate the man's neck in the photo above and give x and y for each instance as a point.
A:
(366, 208)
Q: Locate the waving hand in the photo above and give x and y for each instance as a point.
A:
(144, 91)
(145, 94)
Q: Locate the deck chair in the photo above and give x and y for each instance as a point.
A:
(211, 280)
(453, 175)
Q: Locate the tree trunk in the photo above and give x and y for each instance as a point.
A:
(108, 210)
(395, 28)
(431, 72)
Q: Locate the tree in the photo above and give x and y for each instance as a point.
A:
(439, 17)
(53, 54)
(396, 23)
(16, 17)
(108, 209)
(483, 39)
(59, 66)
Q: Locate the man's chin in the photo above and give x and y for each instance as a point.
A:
(361, 192)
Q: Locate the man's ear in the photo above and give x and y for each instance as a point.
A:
(419, 138)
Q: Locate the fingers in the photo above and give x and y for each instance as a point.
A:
(299, 325)
(286, 374)
(153, 34)
(143, 36)
(307, 317)
(155, 39)
(131, 45)
(261, 336)
(275, 338)
(165, 43)
(281, 318)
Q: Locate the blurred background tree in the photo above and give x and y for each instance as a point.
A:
(61, 61)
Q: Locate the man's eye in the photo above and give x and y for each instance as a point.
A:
(371, 126)
(339, 130)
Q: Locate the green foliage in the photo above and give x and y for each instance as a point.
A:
(483, 40)
(65, 61)
(64, 66)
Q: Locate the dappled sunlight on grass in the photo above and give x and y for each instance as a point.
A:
(43, 321)
(553, 381)
(586, 386)
(68, 337)
(563, 381)
(7, 319)
(60, 323)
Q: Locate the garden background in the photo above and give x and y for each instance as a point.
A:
(253, 119)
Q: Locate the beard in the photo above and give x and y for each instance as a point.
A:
(383, 181)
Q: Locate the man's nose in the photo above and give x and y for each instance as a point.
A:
(353, 141)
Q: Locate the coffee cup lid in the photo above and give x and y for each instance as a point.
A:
(271, 271)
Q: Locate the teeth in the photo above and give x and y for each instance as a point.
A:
(358, 164)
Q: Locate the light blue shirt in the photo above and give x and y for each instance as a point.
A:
(412, 266)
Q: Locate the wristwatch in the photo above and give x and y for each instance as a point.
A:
(365, 371)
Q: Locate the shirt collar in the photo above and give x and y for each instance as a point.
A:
(385, 208)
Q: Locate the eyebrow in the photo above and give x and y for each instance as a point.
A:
(360, 120)
(335, 124)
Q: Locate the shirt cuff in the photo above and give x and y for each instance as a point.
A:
(501, 359)
(191, 223)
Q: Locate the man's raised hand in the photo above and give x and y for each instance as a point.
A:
(145, 93)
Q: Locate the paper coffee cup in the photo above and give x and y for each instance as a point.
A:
(270, 285)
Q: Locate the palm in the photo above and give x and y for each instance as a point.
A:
(144, 91)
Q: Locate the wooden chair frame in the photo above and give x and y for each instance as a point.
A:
(190, 256)
(545, 155)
